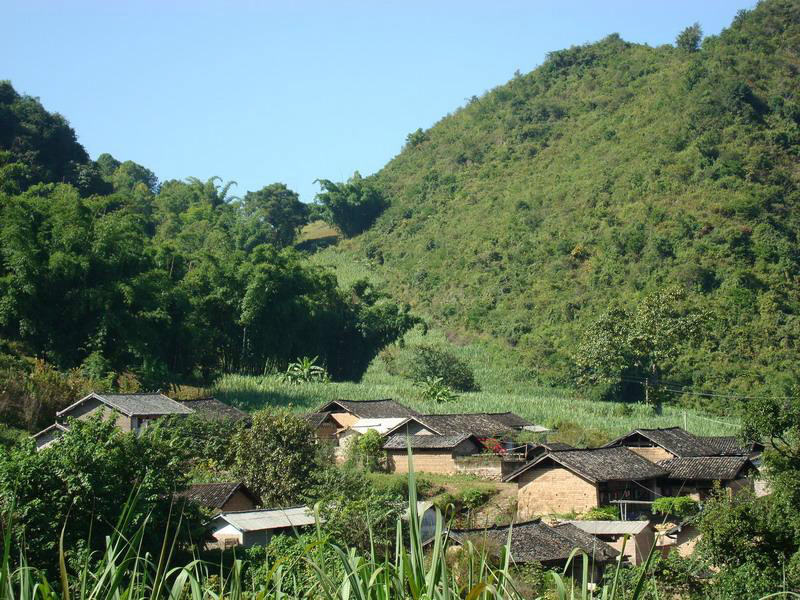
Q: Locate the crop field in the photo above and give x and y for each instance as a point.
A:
(546, 407)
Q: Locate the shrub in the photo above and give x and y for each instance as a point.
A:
(678, 507)
(602, 513)
(365, 451)
(431, 362)
(434, 390)
(473, 498)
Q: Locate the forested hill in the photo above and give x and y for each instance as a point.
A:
(610, 172)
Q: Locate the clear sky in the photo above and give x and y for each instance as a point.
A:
(292, 91)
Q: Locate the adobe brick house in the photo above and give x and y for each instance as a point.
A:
(220, 497)
(694, 463)
(133, 411)
(696, 476)
(675, 442)
(581, 479)
(431, 453)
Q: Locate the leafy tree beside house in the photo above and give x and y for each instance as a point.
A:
(755, 542)
(81, 484)
(276, 457)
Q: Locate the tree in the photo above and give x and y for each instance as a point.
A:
(276, 457)
(755, 542)
(354, 511)
(689, 38)
(272, 215)
(639, 346)
(83, 481)
(351, 206)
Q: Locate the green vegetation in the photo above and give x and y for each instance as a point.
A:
(351, 206)
(613, 171)
(676, 508)
(81, 484)
(155, 282)
(577, 417)
(430, 362)
(276, 457)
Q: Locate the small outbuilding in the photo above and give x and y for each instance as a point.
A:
(257, 527)
(639, 542)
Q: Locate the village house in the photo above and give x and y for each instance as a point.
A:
(211, 409)
(341, 422)
(49, 435)
(681, 538)
(431, 453)
(536, 542)
(674, 442)
(333, 418)
(639, 542)
(697, 476)
(257, 527)
(581, 479)
(220, 497)
(695, 464)
(134, 412)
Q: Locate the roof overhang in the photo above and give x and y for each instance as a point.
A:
(92, 395)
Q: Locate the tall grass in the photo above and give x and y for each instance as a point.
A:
(122, 572)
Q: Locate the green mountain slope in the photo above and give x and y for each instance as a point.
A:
(613, 170)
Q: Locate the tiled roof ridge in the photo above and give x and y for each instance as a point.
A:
(248, 510)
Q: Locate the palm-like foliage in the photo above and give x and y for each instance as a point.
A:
(306, 370)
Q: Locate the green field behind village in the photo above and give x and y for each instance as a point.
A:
(505, 385)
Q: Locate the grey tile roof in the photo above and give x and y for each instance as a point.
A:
(510, 419)
(214, 495)
(705, 468)
(479, 424)
(315, 419)
(430, 442)
(214, 410)
(676, 440)
(147, 404)
(534, 541)
(556, 446)
(598, 464)
(369, 409)
(725, 445)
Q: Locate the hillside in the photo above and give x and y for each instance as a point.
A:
(612, 170)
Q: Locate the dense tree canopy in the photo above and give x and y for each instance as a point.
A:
(351, 206)
(100, 262)
(276, 457)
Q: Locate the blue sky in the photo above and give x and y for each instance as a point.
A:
(292, 91)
